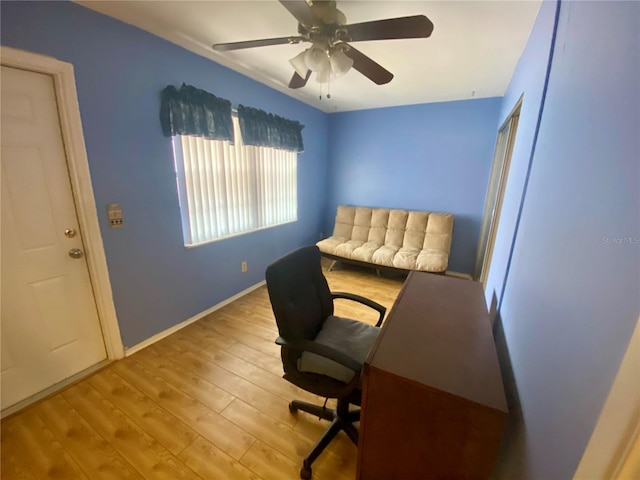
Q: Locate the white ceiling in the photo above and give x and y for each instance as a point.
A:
(472, 52)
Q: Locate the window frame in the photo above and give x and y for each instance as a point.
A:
(252, 157)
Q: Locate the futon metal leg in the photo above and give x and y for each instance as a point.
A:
(333, 263)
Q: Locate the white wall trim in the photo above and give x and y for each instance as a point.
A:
(629, 465)
(78, 164)
(613, 439)
(165, 333)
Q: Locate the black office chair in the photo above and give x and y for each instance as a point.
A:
(321, 353)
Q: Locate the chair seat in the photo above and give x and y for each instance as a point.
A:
(350, 337)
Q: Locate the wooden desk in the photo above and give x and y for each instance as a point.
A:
(433, 403)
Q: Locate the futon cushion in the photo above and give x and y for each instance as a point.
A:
(409, 240)
(350, 337)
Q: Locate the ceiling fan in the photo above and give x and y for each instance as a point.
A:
(331, 54)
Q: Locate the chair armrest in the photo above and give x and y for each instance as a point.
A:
(364, 301)
(324, 351)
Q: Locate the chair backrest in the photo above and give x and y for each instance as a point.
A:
(299, 294)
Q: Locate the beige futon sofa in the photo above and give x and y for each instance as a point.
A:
(401, 239)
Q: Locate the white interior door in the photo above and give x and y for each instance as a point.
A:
(50, 329)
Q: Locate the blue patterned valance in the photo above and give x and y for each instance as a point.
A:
(191, 111)
(264, 129)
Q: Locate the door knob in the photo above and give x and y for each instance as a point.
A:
(70, 232)
(76, 253)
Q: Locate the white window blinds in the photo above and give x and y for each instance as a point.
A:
(227, 189)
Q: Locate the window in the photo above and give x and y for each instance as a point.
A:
(228, 189)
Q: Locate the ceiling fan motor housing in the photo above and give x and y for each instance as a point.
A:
(326, 26)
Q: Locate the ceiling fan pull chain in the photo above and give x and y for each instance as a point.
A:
(328, 95)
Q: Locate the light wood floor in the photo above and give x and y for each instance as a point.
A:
(207, 402)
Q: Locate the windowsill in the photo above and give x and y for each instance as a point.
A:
(200, 244)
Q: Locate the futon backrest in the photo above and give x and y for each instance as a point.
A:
(419, 230)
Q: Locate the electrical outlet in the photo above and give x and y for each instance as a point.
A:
(243, 267)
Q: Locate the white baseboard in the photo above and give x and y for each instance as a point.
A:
(165, 333)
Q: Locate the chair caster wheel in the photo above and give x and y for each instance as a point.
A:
(305, 471)
(293, 409)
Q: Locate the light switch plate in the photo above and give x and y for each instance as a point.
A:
(114, 212)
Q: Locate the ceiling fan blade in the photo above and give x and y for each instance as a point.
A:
(297, 81)
(265, 42)
(301, 10)
(417, 26)
(367, 67)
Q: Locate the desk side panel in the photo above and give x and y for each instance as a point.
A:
(412, 431)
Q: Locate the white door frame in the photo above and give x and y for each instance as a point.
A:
(497, 185)
(613, 450)
(78, 165)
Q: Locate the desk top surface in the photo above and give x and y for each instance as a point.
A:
(438, 333)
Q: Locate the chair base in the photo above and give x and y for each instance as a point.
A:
(341, 419)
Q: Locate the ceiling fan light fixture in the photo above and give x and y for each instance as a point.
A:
(340, 62)
(324, 72)
(316, 57)
(299, 64)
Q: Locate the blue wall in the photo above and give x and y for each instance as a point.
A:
(527, 83)
(571, 295)
(434, 157)
(120, 71)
